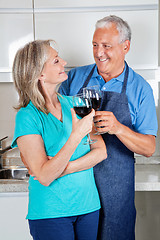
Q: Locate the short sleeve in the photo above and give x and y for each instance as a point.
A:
(26, 123)
(63, 89)
(146, 119)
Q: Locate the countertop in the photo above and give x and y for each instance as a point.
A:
(9, 185)
(147, 178)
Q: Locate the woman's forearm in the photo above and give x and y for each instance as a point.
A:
(46, 171)
(88, 161)
(53, 168)
(32, 148)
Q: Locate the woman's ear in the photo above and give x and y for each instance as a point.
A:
(42, 78)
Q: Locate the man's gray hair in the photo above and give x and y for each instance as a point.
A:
(121, 25)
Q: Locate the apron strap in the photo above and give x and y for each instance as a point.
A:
(125, 79)
(91, 73)
(87, 80)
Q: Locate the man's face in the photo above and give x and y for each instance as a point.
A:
(109, 53)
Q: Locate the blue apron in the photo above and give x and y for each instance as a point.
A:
(115, 175)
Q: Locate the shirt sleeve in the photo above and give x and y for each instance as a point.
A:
(26, 123)
(146, 119)
(63, 89)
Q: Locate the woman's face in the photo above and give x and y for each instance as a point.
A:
(53, 71)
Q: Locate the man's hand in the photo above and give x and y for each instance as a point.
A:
(106, 122)
(143, 144)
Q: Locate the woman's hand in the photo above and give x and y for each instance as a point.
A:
(81, 127)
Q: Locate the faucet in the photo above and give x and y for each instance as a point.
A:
(3, 151)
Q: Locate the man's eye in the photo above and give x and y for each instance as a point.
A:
(56, 61)
(94, 45)
(107, 46)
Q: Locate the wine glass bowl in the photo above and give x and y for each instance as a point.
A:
(95, 94)
(83, 106)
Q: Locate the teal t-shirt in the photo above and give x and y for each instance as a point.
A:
(71, 195)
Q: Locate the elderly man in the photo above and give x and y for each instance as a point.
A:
(127, 118)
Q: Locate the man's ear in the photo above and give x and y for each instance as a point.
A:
(126, 46)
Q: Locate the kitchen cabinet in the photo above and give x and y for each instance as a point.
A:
(73, 32)
(71, 23)
(16, 4)
(16, 29)
(14, 35)
(148, 217)
(13, 209)
(13, 205)
(90, 3)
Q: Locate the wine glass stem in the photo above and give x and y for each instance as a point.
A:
(89, 139)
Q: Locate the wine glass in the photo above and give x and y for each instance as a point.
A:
(95, 94)
(82, 107)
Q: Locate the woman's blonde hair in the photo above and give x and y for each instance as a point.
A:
(27, 67)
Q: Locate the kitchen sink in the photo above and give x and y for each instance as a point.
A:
(14, 172)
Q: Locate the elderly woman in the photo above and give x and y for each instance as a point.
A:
(63, 198)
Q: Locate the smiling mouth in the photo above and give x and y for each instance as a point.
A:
(103, 60)
(62, 72)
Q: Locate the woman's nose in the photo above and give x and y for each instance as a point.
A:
(63, 62)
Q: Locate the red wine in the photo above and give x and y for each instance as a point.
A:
(83, 111)
(96, 103)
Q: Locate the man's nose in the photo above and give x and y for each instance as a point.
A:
(100, 51)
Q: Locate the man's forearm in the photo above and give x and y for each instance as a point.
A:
(136, 142)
